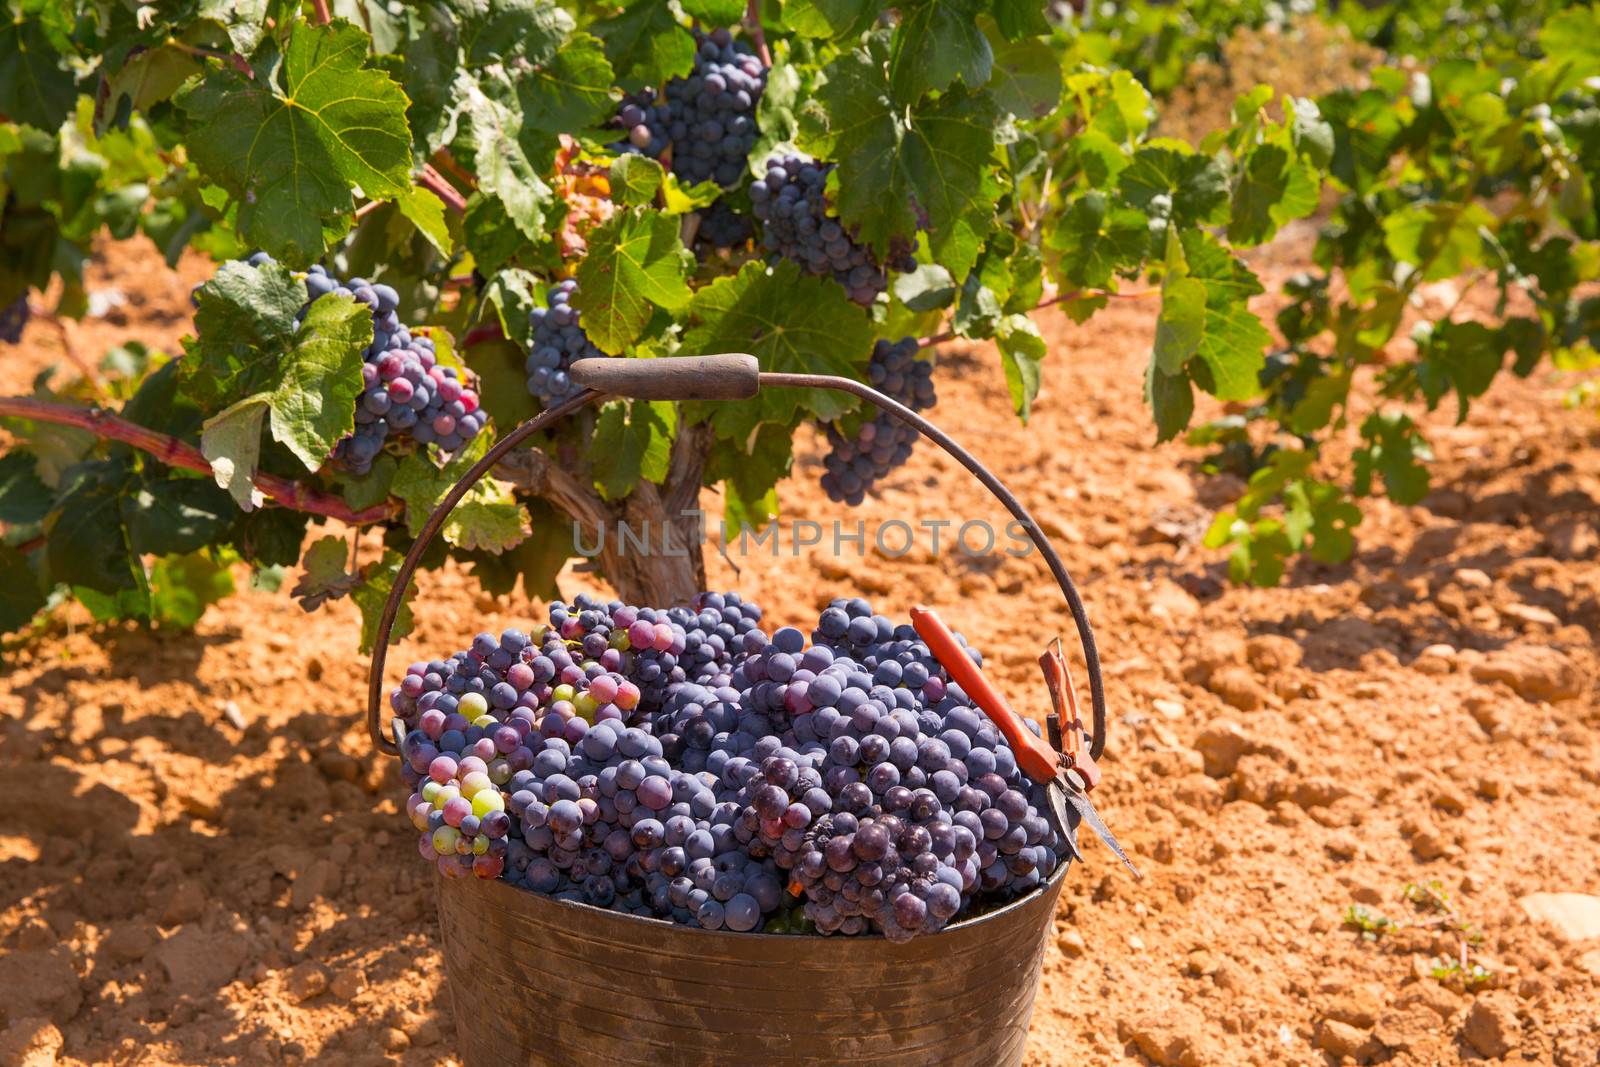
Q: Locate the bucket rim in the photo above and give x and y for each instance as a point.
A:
(500, 885)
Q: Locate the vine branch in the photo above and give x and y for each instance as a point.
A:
(440, 186)
(323, 17)
(1059, 298)
(758, 37)
(175, 453)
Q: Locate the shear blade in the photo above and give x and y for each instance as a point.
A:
(1069, 830)
(1086, 812)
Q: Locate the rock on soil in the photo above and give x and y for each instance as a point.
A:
(35, 983)
(1492, 1028)
(1576, 915)
(31, 1042)
(1341, 1039)
(1221, 745)
(197, 962)
(1168, 1038)
(1238, 687)
(1535, 672)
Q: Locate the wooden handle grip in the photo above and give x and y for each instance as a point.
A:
(729, 376)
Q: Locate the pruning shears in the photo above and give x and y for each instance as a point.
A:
(1063, 764)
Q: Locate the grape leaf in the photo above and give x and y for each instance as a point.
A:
(632, 441)
(537, 560)
(1464, 356)
(828, 19)
(172, 512)
(791, 322)
(635, 261)
(1171, 400)
(231, 441)
(1259, 197)
(35, 85)
(502, 164)
(1181, 324)
(714, 12)
(1196, 184)
(425, 211)
(428, 71)
(1027, 79)
(1233, 345)
(1096, 240)
(377, 580)
(323, 575)
(244, 317)
(635, 180)
(645, 44)
(487, 518)
(88, 545)
(500, 30)
(146, 80)
(938, 43)
(926, 288)
(24, 498)
(1394, 450)
(899, 159)
(1020, 18)
(289, 144)
(182, 587)
(1022, 349)
(20, 596)
(1441, 239)
(569, 92)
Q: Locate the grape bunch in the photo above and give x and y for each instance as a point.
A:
(557, 341)
(14, 319)
(854, 464)
(681, 764)
(405, 391)
(707, 119)
(791, 203)
(722, 228)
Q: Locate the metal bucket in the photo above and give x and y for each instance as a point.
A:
(536, 980)
(600, 987)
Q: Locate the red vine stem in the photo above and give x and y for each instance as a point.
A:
(951, 335)
(437, 184)
(323, 18)
(176, 453)
(234, 59)
(758, 37)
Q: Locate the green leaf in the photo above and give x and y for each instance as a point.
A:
(324, 576)
(1394, 449)
(1181, 323)
(1441, 239)
(1261, 189)
(20, 596)
(290, 144)
(171, 512)
(367, 490)
(635, 261)
(182, 587)
(231, 441)
(828, 19)
(632, 441)
(35, 85)
(645, 44)
(925, 289)
(1027, 79)
(1022, 349)
(1171, 400)
(319, 379)
(1235, 339)
(500, 30)
(1464, 356)
(425, 211)
(487, 518)
(87, 543)
(245, 318)
(635, 180)
(146, 80)
(791, 322)
(714, 12)
(503, 167)
(377, 580)
(895, 157)
(24, 498)
(938, 43)
(1312, 134)
(1095, 241)
(977, 313)
(569, 93)
(537, 560)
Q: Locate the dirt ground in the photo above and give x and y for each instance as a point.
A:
(203, 862)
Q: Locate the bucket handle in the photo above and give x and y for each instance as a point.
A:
(730, 376)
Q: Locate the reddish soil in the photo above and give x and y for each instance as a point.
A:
(178, 888)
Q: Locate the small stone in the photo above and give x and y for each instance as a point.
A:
(1167, 1038)
(1272, 653)
(338, 766)
(320, 879)
(183, 904)
(1433, 996)
(1490, 787)
(1530, 615)
(1573, 539)
(39, 984)
(1342, 1039)
(35, 934)
(1535, 672)
(1071, 943)
(1170, 709)
(1450, 801)
(1491, 1026)
(1472, 578)
(1342, 845)
(1589, 962)
(199, 802)
(235, 717)
(1221, 745)
(427, 1033)
(1228, 975)
(305, 980)
(30, 1042)
(1259, 780)
(130, 942)
(349, 983)
(1200, 964)
(395, 1040)
(1575, 915)
(1238, 687)
(198, 962)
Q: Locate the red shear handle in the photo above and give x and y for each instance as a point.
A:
(1036, 758)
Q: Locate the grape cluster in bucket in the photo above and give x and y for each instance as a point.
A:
(682, 764)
